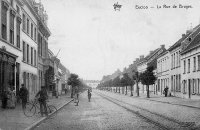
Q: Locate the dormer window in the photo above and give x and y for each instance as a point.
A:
(189, 39)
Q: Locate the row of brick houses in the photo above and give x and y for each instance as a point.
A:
(177, 67)
(24, 54)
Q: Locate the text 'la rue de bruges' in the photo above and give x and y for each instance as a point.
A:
(164, 6)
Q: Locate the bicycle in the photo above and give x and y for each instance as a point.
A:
(31, 107)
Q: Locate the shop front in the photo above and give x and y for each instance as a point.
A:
(7, 70)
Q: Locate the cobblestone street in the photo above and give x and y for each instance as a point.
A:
(113, 111)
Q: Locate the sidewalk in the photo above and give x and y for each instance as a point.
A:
(194, 103)
(14, 119)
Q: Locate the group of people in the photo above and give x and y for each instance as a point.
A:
(8, 98)
(76, 95)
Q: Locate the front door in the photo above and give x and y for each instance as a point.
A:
(17, 79)
(189, 88)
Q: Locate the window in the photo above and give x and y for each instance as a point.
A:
(35, 58)
(27, 25)
(31, 56)
(172, 83)
(174, 59)
(172, 62)
(24, 51)
(35, 35)
(179, 84)
(18, 32)
(27, 53)
(24, 22)
(194, 59)
(39, 46)
(198, 62)
(184, 65)
(188, 65)
(31, 30)
(184, 86)
(12, 27)
(198, 86)
(193, 86)
(18, 10)
(177, 59)
(4, 21)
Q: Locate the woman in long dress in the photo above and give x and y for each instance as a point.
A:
(11, 103)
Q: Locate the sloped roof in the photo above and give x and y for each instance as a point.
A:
(178, 43)
(150, 55)
(162, 54)
(194, 43)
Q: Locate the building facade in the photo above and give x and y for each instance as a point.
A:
(190, 62)
(10, 44)
(29, 66)
(22, 54)
(150, 60)
(163, 72)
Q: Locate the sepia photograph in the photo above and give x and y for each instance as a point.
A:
(99, 65)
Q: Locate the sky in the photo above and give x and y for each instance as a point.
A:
(95, 40)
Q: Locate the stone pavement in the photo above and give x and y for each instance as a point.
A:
(14, 119)
(194, 103)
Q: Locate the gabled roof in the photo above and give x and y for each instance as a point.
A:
(148, 57)
(162, 54)
(194, 43)
(152, 54)
(178, 43)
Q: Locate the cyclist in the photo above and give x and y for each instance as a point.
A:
(43, 96)
(89, 95)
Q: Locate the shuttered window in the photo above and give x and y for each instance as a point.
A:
(4, 9)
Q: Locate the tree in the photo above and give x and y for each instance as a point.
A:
(73, 80)
(136, 78)
(116, 82)
(127, 81)
(148, 78)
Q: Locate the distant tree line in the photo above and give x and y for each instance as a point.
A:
(74, 81)
(146, 78)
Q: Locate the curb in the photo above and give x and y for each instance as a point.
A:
(44, 118)
(185, 105)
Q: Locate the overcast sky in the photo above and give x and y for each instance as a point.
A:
(96, 40)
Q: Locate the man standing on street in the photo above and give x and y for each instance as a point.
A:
(23, 94)
(43, 96)
(166, 91)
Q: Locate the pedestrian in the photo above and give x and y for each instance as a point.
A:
(166, 91)
(89, 95)
(4, 100)
(65, 90)
(11, 102)
(76, 97)
(42, 96)
(23, 94)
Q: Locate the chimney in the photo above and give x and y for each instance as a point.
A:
(141, 57)
(137, 59)
(162, 46)
(151, 52)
